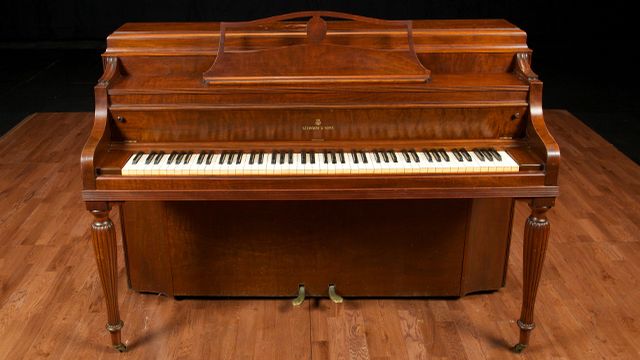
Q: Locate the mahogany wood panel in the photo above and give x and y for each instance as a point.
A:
(175, 68)
(199, 125)
(51, 303)
(415, 248)
(147, 247)
(487, 248)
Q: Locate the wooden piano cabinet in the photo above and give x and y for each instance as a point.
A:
(276, 84)
(365, 247)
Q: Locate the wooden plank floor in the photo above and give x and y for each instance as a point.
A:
(51, 303)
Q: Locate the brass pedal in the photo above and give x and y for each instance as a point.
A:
(301, 294)
(333, 296)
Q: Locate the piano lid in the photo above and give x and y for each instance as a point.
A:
(320, 58)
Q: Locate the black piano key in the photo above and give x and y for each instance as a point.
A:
(415, 156)
(239, 159)
(326, 157)
(354, 157)
(274, 157)
(303, 157)
(137, 157)
(187, 158)
(283, 155)
(495, 153)
(230, 158)
(290, 157)
(377, 156)
(393, 156)
(201, 157)
(222, 157)
(405, 154)
(466, 154)
(427, 154)
(150, 158)
(209, 157)
(341, 153)
(435, 154)
(179, 157)
(252, 157)
(384, 156)
(158, 158)
(334, 159)
(261, 157)
(312, 157)
(172, 156)
(363, 157)
(444, 154)
(457, 154)
(487, 154)
(478, 154)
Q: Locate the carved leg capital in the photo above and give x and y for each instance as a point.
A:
(103, 236)
(536, 236)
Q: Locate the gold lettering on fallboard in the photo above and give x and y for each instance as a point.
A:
(317, 126)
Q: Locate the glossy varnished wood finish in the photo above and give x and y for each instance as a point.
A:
(536, 238)
(416, 248)
(316, 59)
(103, 234)
(150, 99)
(51, 303)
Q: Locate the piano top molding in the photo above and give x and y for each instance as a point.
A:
(320, 58)
(429, 36)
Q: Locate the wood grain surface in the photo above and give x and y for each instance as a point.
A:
(52, 306)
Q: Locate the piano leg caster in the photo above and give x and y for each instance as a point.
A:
(301, 295)
(120, 347)
(518, 348)
(333, 296)
(114, 329)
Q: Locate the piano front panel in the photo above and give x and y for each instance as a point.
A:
(415, 249)
(269, 248)
(274, 125)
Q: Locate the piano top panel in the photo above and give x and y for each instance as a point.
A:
(429, 36)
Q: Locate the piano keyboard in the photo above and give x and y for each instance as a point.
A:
(329, 162)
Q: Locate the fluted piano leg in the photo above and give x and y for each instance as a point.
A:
(536, 236)
(104, 245)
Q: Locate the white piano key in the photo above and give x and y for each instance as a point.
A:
(509, 164)
(155, 169)
(126, 169)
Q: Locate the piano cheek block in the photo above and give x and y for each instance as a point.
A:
(392, 173)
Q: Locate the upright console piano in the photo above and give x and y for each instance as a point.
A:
(318, 154)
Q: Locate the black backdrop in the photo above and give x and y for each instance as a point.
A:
(585, 52)
(567, 28)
